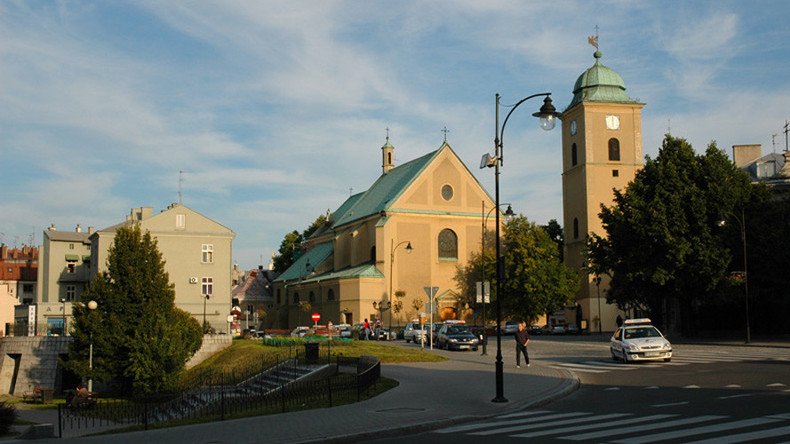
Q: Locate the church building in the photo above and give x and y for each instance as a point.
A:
(381, 249)
(601, 151)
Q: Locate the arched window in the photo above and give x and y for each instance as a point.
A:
(575, 228)
(389, 157)
(614, 149)
(330, 295)
(279, 299)
(373, 254)
(311, 297)
(448, 244)
(574, 155)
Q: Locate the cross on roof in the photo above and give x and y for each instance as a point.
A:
(445, 131)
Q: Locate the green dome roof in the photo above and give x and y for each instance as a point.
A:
(599, 84)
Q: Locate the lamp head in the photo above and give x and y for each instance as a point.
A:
(409, 248)
(487, 161)
(509, 214)
(92, 305)
(548, 115)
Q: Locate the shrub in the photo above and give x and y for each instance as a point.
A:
(7, 417)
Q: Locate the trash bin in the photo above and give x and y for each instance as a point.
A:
(311, 352)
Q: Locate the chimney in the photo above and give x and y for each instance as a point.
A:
(4, 252)
(52, 228)
(745, 154)
(78, 229)
(90, 230)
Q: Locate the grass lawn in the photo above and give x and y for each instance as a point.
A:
(242, 352)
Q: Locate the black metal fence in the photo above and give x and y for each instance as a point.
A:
(226, 396)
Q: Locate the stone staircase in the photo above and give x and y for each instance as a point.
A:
(204, 399)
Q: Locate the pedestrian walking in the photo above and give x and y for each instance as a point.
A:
(619, 321)
(366, 327)
(522, 339)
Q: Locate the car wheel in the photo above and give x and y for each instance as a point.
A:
(615, 358)
(667, 359)
(408, 340)
(474, 349)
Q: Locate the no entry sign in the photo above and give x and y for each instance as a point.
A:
(315, 317)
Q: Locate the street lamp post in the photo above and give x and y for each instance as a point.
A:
(508, 214)
(394, 247)
(63, 301)
(548, 118)
(205, 300)
(91, 306)
(742, 224)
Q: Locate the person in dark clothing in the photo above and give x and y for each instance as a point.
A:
(522, 339)
(619, 321)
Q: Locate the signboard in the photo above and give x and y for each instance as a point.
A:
(483, 291)
(315, 317)
(31, 320)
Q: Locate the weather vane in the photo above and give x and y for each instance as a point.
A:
(593, 39)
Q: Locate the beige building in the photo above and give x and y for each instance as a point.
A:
(602, 151)
(63, 274)
(197, 252)
(360, 260)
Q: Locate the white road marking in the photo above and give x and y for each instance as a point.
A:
(670, 404)
(749, 436)
(732, 386)
(485, 425)
(551, 424)
(598, 425)
(697, 430)
(520, 414)
(776, 384)
(641, 428)
(736, 396)
(691, 387)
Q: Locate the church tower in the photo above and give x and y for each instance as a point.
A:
(387, 156)
(601, 151)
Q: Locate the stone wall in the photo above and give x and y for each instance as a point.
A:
(211, 344)
(29, 361)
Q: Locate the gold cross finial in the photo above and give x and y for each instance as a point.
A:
(445, 131)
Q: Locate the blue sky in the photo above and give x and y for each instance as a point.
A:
(274, 110)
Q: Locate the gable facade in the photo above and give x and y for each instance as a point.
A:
(359, 263)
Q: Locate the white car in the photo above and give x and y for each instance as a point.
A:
(415, 332)
(638, 340)
(300, 332)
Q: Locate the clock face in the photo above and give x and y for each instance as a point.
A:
(573, 128)
(612, 122)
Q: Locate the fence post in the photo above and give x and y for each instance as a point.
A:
(145, 414)
(222, 403)
(329, 389)
(282, 395)
(60, 421)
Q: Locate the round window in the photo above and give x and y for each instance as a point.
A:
(447, 192)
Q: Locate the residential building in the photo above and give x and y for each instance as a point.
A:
(252, 293)
(63, 275)
(18, 268)
(383, 247)
(197, 252)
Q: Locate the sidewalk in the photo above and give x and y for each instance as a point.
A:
(430, 395)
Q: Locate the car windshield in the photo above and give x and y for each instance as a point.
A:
(641, 332)
(455, 330)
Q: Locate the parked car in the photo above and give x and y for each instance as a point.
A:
(639, 340)
(382, 334)
(342, 330)
(456, 337)
(510, 328)
(414, 332)
(572, 329)
(558, 329)
(537, 330)
(300, 332)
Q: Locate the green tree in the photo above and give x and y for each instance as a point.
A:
(663, 249)
(293, 244)
(141, 341)
(536, 281)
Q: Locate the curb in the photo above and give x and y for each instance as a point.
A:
(568, 384)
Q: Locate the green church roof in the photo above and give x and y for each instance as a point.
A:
(384, 191)
(314, 257)
(599, 84)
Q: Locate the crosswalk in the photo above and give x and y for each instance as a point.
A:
(686, 358)
(627, 427)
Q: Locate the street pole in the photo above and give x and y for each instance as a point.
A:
(91, 306)
(483, 271)
(547, 115)
(745, 276)
(393, 247)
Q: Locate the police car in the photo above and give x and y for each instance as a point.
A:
(638, 340)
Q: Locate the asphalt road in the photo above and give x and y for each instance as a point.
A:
(706, 394)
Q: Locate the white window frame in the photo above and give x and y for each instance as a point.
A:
(207, 253)
(71, 292)
(181, 221)
(207, 286)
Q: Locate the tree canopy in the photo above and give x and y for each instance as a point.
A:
(536, 281)
(141, 341)
(292, 245)
(664, 248)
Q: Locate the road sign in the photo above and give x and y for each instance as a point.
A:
(431, 291)
(315, 317)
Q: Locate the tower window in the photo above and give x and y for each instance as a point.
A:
(575, 228)
(330, 295)
(614, 149)
(389, 157)
(574, 155)
(615, 173)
